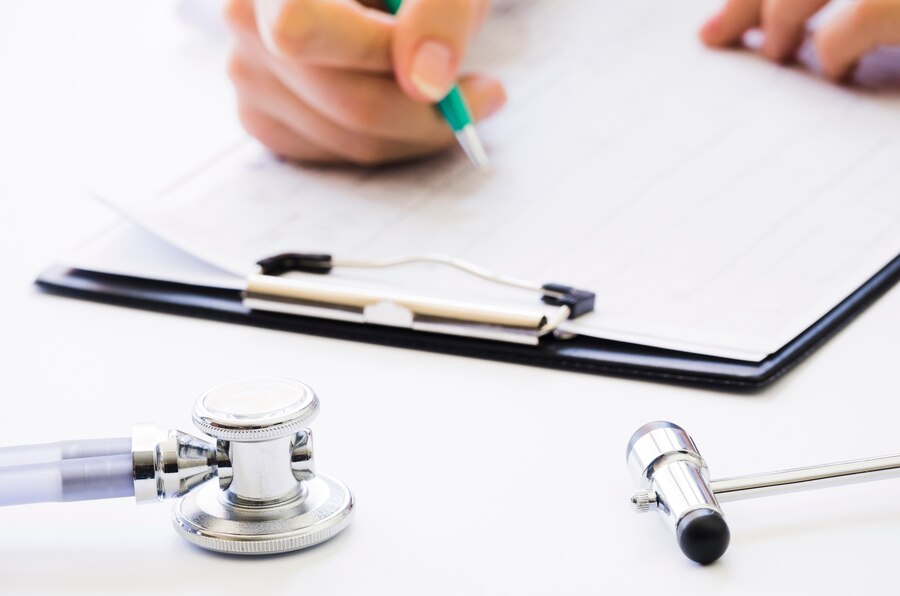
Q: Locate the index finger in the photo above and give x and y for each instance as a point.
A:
(728, 26)
(332, 33)
(430, 41)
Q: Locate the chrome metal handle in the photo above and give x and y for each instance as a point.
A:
(674, 481)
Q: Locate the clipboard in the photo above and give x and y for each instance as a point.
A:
(577, 354)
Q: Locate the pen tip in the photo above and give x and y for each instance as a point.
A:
(471, 143)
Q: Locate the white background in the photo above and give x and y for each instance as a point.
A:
(471, 476)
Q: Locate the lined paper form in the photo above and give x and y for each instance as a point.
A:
(714, 202)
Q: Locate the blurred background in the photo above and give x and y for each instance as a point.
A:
(103, 95)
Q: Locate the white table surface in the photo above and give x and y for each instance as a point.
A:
(471, 476)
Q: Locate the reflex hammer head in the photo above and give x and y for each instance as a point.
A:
(674, 479)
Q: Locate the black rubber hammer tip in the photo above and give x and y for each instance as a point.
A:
(703, 535)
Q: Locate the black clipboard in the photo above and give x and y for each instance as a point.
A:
(579, 354)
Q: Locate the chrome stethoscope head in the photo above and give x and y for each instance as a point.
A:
(267, 497)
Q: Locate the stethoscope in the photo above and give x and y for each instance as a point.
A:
(267, 499)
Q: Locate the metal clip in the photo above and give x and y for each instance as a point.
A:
(268, 291)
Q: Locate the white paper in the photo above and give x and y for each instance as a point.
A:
(127, 249)
(715, 203)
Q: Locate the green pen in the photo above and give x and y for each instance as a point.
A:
(456, 112)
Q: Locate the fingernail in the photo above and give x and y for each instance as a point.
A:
(267, 15)
(433, 69)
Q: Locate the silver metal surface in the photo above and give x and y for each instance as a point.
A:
(256, 409)
(644, 500)
(808, 478)
(302, 463)
(664, 461)
(262, 471)
(314, 298)
(268, 498)
(203, 518)
(674, 478)
(168, 464)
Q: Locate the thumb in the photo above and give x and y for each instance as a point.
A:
(430, 42)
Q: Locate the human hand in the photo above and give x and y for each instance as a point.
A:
(338, 81)
(840, 43)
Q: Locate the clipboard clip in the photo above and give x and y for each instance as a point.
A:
(269, 290)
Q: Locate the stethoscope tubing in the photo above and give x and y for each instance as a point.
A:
(66, 471)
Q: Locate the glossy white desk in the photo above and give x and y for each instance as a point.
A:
(471, 477)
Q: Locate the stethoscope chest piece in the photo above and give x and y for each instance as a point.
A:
(268, 498)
